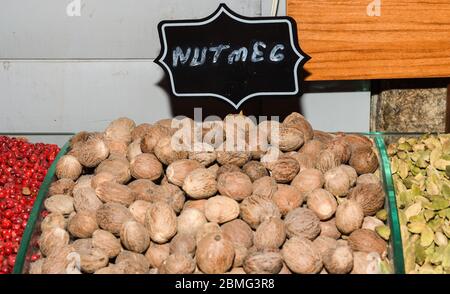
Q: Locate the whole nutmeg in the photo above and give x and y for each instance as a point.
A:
(68, 167)
(117, 148)
(101, 178)
(143, 189)
(357, 141)
(107, 242)
(235, 154)
(329, 229)
(322, 203)
(287, 138)
(92, 260)
(270, 234)
(323, 137)
(84, 181)
(367, 241)
(365, 263)
(263, 263)
(177, 264)
(134, 236)
(53, 220)
(337, 181)
(308, 180)
(301, 257)
(183, 244)
(120, 130)
(138, 209)
(167, 193)
(302, 222)
(338, 260)
(214, 254)
(287, 198)
(265, 187)
(371, 222)
(305, 160)
(62, 261)
(157, 253)
(146, 166)
(298, 121)
(197, 204)
(284, 169)
(351, 173)
(53, 240)
(111, 217)
(153, 135)
(200, 183)
(161, 222)
(117, 166)
(240, 253)
(327, 160)
(340, 148)
(167, 152)
(256, 209)
(132, 262)
(255, 170)
(85, 199)
(221, 209)
(134, 150)
(93, 151)
(369, 196)
(140, 131)
(349, 216)
(368, 179)
(190, 221)
(62, 186)
(322, 244)
(364, 160)
(82, 225)
(203, 153)
(235, 185)
(228, 168)
(115, 192)
(62, 204)
(178, 170)
(312, 147)
(238, 232)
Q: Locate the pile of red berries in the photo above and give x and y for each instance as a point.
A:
(23, 167)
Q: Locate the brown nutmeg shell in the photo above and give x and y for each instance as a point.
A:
(111, 216)
(161, 222)
(82, 225)
(369, 196)
(287, 198)
(110, 192)
(284, 169)
(367, 241)
(256, 209)
(364, 160)
(301, 257)
(255, 170)
(235, 185)
(263, 263)
(302, 222)
(107, 242)
(214, 254)
(349, 216)
(146, 166)
(270, 234)
(238, 232)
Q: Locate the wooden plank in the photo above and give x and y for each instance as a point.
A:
(410, 38)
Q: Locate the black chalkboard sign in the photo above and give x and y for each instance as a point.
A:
(231, 57)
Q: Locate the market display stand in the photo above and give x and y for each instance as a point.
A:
(374, 39)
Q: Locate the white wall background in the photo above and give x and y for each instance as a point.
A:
(65, 74)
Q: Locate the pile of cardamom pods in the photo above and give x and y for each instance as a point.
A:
(421, 174)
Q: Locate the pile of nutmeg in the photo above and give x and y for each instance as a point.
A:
(128, 201)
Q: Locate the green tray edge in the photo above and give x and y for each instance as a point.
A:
(396, 237)
(29, 229)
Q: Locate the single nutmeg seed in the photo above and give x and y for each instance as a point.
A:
(367, 241)
(265, 187)
(140, 131)
(322, 244)
(101, 178)
(115, 192)
(255, 170)
(111, 216)
(301, 257)
(107, 242)
(167, 152)
(138, 209)
(327, 160)
(132, 262)
(270, 234)
(349, 216)
(177, 264)
(338, 260)
(302, 222)
(234, 154)
(298, 121)
(284, 169)
(183, 244)
(369, 196)
(83, 182)
(134, 236)
(263, 263)
(190, 221)
(322, 203)
(197, 204)
(340, 149)
(146, 166)
(82, 225)
(157, 253)
(52, 240)
(178, 170)
(153, 135)
(287, 198)
(200, 183)
(53, 220)
(214, 254)
(368, 179)
(256, 209)
(161, 222)
(287, 138)
(93, 151)
(351, 173)
(308, 180)
(62, 186)
(238, 232)
(68, 167)
(364, 160)
(117, 148)
(92, 260)
(337, 181)
(62, 204)
(305, 160)
(228, 168)
(235, 185)
(85, 199)
(134, 149)
(120, 130)
(221, 209)
(118, 166)
(206, 229)
(329, 229)
(203, 153)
